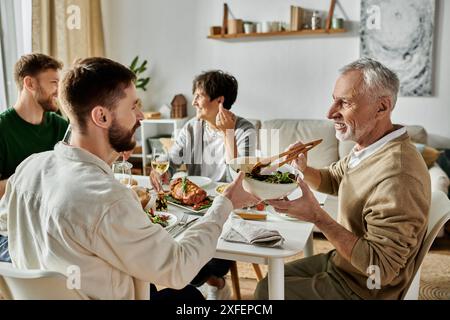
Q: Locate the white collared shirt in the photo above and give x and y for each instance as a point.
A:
(356, 157)
(65, 208)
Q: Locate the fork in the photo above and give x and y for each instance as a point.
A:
(180, 224)
(184, 228)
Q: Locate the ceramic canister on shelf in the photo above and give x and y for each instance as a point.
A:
(267, 27)
(276, 26)
(248, 27)
(337, 23)
(258, 27)
(235, 26)
(315, 21)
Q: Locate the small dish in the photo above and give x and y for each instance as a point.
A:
(221, 188)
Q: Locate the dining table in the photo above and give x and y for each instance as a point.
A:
(298, 236)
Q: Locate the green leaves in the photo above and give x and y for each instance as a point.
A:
(276, 177)
(139, 68)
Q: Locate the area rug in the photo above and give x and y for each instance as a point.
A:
(435, 276)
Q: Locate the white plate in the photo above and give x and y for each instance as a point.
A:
(172, 218)
(283, 216)
(143, 181)
(189, 208)
(200, 181)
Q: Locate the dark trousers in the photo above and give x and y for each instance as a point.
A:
(4, 252)
(187, 294)
(215, 267)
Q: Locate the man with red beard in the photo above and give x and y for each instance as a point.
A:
(31, 126)
(65, 208)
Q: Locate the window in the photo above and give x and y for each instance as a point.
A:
(15, 40)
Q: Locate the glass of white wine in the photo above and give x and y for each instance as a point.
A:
(160, 160)
(122, 172)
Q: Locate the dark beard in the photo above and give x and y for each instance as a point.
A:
(120, 138)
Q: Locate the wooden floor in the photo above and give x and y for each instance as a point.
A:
(431, 282)
(248, 287)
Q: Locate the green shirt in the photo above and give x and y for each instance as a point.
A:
(20, 139)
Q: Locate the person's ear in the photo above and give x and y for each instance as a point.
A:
(101, 117)
(29, 83)
(384, 107)
(221, 100)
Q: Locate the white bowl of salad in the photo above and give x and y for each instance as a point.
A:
(274, 186)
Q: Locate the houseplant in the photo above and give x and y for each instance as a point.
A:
(138, 69)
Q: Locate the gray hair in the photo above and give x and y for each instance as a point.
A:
(378, 79)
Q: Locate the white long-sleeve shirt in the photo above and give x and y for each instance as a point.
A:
(65, 208)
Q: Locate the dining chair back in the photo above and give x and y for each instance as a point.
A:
(17, 284)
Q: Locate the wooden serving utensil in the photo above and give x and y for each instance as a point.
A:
(290, 155)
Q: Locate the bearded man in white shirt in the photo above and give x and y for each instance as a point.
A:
(65, 208)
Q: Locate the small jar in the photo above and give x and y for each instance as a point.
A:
(315, 20)
(337, 23)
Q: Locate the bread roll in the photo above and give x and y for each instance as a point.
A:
(143, 195)
(125, 181)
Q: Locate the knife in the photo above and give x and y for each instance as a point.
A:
(183, 228)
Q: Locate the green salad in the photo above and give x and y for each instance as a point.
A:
(160, 219)
(276, 177)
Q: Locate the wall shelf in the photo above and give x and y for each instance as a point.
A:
(305, 32)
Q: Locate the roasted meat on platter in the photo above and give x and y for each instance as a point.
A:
(186, 191)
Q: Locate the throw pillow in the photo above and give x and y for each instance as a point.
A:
(444, 162)
(429, 154)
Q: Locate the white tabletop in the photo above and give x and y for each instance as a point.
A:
(297, 235)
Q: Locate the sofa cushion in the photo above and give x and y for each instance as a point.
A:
(439, 179)
(257, 124)
(429, 154)
(345, 147)
(418, 134)
(277, 135)
(438, 142)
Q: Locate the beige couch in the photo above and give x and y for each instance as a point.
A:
(276, 135)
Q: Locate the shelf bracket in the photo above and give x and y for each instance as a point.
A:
(225, 20)
(330, 15)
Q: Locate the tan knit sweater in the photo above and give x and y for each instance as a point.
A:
(385, 202)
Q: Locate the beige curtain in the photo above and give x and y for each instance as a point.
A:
(68, 29)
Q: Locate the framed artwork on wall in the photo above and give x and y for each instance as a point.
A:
(399, 34)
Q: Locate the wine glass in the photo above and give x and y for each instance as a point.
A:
(160, 159)
(122, 172)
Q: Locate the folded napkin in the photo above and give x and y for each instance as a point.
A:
(246, 232)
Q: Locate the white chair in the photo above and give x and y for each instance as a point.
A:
(439, 215)
(16, 284)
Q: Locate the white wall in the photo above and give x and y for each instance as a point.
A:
(290, 77)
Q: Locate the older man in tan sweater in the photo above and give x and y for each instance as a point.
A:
(384, 198)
